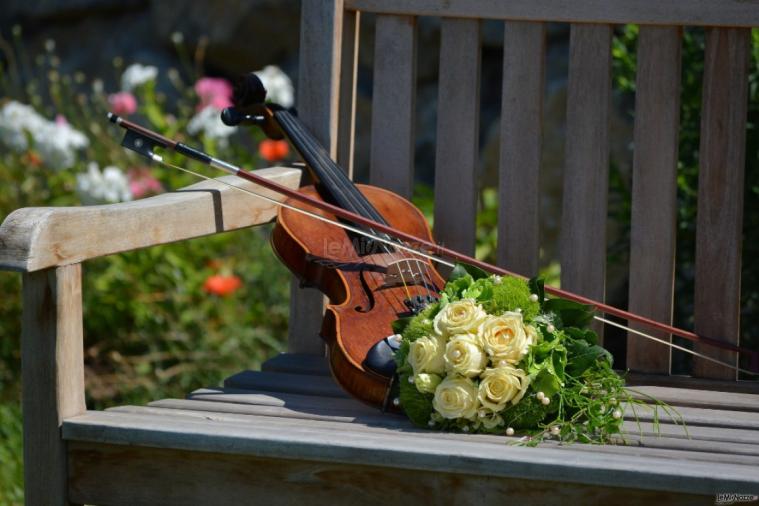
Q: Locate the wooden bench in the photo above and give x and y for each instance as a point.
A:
(288, 434)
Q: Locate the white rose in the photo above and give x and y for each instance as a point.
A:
(460, 317)
(489, 419)
(426, 355)
(505, 337)
(456, 397)
(464, 356)
(427, 383)
(502, 385)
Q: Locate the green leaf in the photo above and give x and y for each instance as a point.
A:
(586, 335)
(400, 324)
(572, 314)
(546, 382)
(537, 286)
(582, 355)
(462, 269)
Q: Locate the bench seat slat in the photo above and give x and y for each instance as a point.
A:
(298, 439)
(282, 382)
(636, 441)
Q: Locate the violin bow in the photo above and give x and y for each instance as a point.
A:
(143, 141)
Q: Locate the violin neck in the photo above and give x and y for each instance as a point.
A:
(333, 183)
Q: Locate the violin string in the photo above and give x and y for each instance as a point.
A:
(357, 200)
(157, 158)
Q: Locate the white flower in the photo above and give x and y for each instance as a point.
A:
(95, 187)
(426, 355)
(427, 383)
(456, 397)
(136, 75)
(279, 87)
(506, 337)
(502, 385)
(208, 121)
(464, 356)
(460, 317)
(56, 142)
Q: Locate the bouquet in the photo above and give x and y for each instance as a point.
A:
(495, 356)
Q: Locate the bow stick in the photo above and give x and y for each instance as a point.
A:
(144, 141)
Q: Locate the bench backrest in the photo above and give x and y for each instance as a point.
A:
(329, 49)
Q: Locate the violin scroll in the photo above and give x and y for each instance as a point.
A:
(250, 108)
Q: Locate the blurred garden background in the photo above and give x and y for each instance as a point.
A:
(161, 322)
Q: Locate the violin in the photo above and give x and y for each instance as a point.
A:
(370, 251)
(369, 284)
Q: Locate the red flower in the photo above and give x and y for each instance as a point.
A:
(221, 285)
(142, 183)
(273, 151)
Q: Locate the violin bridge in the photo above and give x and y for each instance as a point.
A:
(408, 271)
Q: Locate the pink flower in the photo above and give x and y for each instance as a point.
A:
(60, 119)
(214, 91)
(122, 103)
(142, 183)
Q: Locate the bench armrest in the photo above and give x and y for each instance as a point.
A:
(36, 238)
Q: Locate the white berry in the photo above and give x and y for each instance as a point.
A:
(510, 431)
(550, 328)
(410, 379)
(617, 414)
(534, 297)
(540, 396)
(555, 430)
(396, 402)
(546, 401)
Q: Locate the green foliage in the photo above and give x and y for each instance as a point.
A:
(11, 451)
(416, 405)
(512, 293)
(150, 328)
(568, 389)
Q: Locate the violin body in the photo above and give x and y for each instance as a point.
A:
(367, 290)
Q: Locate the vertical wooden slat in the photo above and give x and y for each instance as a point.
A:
(348, 77)
(586, 173)
(392, 145)
(654, 191)
(457, 134)
(521, 144)
(53, 377)
(720, 195)
(318, 104)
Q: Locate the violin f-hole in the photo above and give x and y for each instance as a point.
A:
(367, 291)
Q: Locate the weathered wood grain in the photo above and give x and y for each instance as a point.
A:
(678, 381)
(700, 398)
(297, 363)
(586, 171)
(393, 104)
(36, 238)
(173, 478)
(304, 440)
(52, 377)
(279, 382)
(325, 409)
(654, 12)
(319, 87)
(521, 145)
(458, 121)
(654, 192)
(719, 224)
